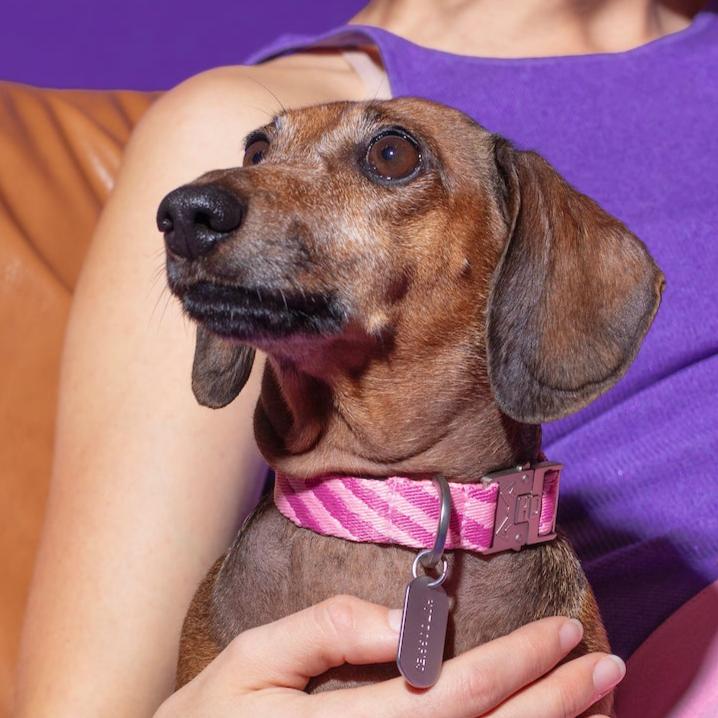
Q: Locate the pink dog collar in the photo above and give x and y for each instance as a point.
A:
(506, 510)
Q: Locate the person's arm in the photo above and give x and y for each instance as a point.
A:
(148, 487)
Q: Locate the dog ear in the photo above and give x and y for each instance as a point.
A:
(571, 299)
(220, 369)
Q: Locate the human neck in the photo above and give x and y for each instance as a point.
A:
(531, 28)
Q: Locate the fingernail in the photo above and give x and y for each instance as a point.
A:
(570, 634)
(608, 671)
(395, 619)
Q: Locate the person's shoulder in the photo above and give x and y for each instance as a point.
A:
(217, 103)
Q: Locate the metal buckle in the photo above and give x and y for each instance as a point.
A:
(518, 506)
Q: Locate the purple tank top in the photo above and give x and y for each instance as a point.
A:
(636, 131)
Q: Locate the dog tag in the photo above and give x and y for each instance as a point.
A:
(423, 632)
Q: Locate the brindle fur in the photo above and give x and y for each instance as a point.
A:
(482, 297)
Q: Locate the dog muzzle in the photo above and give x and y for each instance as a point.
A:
(505, 510)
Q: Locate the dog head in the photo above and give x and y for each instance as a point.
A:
(391, 231)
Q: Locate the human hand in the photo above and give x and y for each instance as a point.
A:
(263, 672)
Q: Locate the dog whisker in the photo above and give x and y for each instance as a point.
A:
(164, 290)
(263, 86)
(167, 296)
(262, 110)
(168, 299)
(156, 304)
(157, 276)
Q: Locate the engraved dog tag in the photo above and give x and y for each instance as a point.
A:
(423, 632)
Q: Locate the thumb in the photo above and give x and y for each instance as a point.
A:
(288, 652)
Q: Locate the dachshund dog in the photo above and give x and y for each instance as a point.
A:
(426, 296)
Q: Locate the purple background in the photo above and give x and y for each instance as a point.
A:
(145, 44)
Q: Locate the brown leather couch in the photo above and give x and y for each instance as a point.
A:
(59, 152)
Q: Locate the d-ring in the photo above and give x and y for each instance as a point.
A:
(437, 581)
(431, 558)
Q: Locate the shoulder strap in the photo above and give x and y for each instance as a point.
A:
(367, 49)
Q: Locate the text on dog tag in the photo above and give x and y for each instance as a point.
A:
(423, 632)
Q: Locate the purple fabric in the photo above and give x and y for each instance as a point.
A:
(636, 131)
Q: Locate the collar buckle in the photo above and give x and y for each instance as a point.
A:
(521, 496)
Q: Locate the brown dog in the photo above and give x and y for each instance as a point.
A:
(426, 295)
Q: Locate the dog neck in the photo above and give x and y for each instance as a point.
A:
(355, 413)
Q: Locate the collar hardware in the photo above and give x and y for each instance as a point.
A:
(520, 516)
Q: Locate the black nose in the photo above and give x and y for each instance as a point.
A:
(194, 219)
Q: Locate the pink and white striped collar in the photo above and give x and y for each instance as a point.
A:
(506, 510)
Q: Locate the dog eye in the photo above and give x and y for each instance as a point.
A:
(393, 155)
(255, 152)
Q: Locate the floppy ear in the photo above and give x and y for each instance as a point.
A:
(571, 299)
(220, 369)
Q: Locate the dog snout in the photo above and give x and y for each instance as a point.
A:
(195, 218)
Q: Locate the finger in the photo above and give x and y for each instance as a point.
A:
(288, 652)
(472, 683)
(567, 691)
